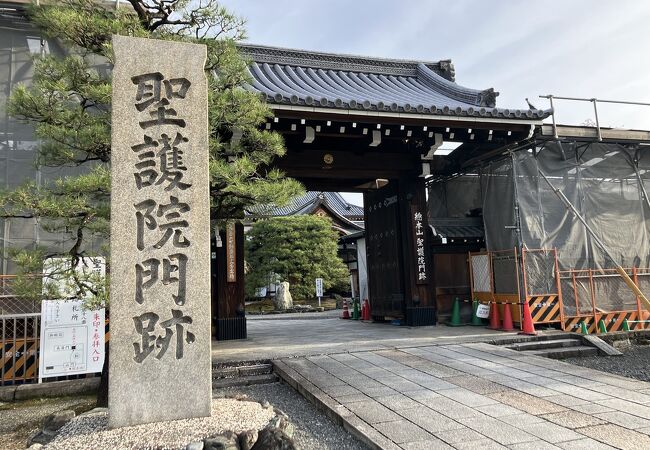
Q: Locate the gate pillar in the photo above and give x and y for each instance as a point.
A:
(227, 290)
(419, 286)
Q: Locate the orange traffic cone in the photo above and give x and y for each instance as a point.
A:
(346, 311)
(507, 318)
(368, 316)
(527, 322)
(364, 309)
(494, 317)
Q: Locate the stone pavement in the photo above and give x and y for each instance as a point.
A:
(470, 396)
(276, 336)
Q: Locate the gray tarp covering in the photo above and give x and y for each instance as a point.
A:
(601, 180)
(605, 182)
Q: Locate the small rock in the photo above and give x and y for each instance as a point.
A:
(247, 439)
(195, 446)
(54, 422)
(39, 437)
(274, 439)
(266, 404)
(281, 422)
(236, 396)
(227, 441)
(35, 447)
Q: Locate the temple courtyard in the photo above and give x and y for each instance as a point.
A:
(445, 387)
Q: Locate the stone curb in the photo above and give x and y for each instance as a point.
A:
(335, 411)
(51, 389)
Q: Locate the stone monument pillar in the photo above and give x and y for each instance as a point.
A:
(160, 364)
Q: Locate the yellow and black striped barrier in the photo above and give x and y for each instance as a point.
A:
(545, 308)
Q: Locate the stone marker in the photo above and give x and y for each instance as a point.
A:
(160, 364)
(283, 299)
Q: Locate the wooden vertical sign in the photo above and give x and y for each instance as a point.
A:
(231, 252)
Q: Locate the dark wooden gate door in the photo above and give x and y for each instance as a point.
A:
(384, 253)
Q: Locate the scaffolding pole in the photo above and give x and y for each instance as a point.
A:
(600, 243)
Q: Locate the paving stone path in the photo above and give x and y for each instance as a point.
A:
(470, 396)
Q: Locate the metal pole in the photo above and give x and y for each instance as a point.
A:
(600, 243)
(550, 99)
(600, 136)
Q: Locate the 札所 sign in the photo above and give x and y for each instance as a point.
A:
(72, 339)
(319, 287)
(160, 365)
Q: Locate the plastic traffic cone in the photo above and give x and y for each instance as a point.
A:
(455, 314)
(601, 326)
(494, 317)
(476, 321)
(355, 309)
(507, 318)
(368, 310)
(583, 328)
(365, 315)
(346, 311)
(527, 323)
(626, 325)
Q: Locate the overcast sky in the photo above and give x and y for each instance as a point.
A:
(578, 48)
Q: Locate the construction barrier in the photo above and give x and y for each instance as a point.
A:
(20, 349)
(565, 298)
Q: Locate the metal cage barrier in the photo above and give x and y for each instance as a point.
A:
(592, 295)
(20, 350)
(494, 278)
(563, 297)
(11, 302)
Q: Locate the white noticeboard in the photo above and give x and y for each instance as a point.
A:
(319, 287)
(72, 339)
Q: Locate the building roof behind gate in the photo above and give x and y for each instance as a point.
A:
(327, 80)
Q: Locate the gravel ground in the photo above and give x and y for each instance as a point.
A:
(19, 419)
(634, 363)
(91, 431)
(313, 430)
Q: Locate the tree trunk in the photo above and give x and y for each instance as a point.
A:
(102, 392)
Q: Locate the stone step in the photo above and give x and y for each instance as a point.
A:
(241, 371)
(244, 381)
(566, 352)
(541, 345)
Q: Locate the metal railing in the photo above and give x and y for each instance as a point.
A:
(19, 348)
(592, 100)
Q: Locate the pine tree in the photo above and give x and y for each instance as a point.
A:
(69, 104)
(297, 249)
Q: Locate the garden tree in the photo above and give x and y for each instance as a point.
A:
(69, 105)
(297, 249)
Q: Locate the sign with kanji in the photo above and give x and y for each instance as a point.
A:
(72, 339)
(231, 252)
(319, 287)
(419, 239)
(160, 365)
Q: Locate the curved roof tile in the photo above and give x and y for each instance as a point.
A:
(301, 204)
(299, 77)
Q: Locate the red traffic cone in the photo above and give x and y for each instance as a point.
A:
(507, 318)
(364, 309)
(494, 317)
(368, 316)
(527, 322)
(346, 311)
